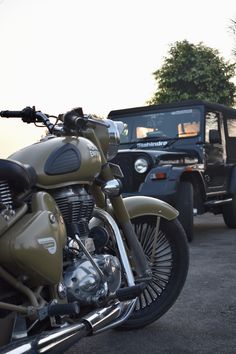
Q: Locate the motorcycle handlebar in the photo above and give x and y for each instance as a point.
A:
(27, 114)
(75, 119)
(11, 114)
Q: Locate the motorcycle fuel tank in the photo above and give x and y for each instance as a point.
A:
(62, 161)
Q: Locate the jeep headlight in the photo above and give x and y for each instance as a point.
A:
(114, 131)
(141, 165)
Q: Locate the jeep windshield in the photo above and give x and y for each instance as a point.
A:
(161, 127)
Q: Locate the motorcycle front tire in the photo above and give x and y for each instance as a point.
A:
(169, 268)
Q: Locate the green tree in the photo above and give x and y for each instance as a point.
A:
(194, 72)
(232, 28)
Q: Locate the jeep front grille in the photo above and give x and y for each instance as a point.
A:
(132, 179)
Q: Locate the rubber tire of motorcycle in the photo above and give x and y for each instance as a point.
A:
(171, 251)
(229, 213)
(184, 204)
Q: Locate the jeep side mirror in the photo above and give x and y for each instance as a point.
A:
(214, 136)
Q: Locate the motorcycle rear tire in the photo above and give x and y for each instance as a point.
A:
(170, 267)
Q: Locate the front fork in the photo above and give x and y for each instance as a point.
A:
(122, 216)
(141, 264)
(120, 212)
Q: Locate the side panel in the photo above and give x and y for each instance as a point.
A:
(33, 246)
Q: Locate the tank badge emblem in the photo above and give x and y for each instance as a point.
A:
(49, 244)
(93, 150)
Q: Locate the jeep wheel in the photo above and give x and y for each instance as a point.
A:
(229, 213)
(184, 204)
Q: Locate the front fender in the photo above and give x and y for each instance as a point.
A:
(141, 205)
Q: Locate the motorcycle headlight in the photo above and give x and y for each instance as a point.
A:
(114, 131)
(141, 165)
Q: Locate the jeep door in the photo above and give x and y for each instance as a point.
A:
(215, 153)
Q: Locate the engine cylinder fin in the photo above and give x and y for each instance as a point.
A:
(74, 203)
(5, 194)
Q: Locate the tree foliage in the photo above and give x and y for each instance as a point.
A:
(194, 72)
(232, 28)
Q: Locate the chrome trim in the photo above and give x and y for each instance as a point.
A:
(112, 188)
(48, 342)
(216, 193)
(20, 350)
(61, 339)
(102, 214)
(218, 202)
(200, 166)
(89, 257)
(118, 313)
(155, 239)
(115, 128)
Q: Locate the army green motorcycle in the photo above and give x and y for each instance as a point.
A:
(75, 258)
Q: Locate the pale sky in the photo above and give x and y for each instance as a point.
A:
(97, 54)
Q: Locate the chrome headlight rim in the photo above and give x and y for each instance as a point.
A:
(114, 130)
(141, 165)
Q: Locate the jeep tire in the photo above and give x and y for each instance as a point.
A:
(229, 213)
(184, 204)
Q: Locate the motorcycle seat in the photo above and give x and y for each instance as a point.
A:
(21, 177)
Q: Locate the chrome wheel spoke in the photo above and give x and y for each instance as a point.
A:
(161, 266)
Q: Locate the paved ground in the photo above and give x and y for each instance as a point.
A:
(203, 320)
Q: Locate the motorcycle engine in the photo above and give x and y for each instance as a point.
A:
(75, 204)
(85, 284)
(91, 275)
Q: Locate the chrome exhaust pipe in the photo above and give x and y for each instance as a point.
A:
(54, 341)
(59, 340)
(109, 317)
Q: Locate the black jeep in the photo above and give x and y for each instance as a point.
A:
(183, 153)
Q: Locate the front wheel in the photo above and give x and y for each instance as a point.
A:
(229, 213)
(169, 267)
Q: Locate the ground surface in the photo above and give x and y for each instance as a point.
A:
(203, 320)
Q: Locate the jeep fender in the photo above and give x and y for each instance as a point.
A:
(175, 174)
(154, 187)
(141, 205)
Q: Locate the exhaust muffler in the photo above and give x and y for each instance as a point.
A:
(59, 340)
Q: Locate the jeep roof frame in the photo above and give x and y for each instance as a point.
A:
(216, 106)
